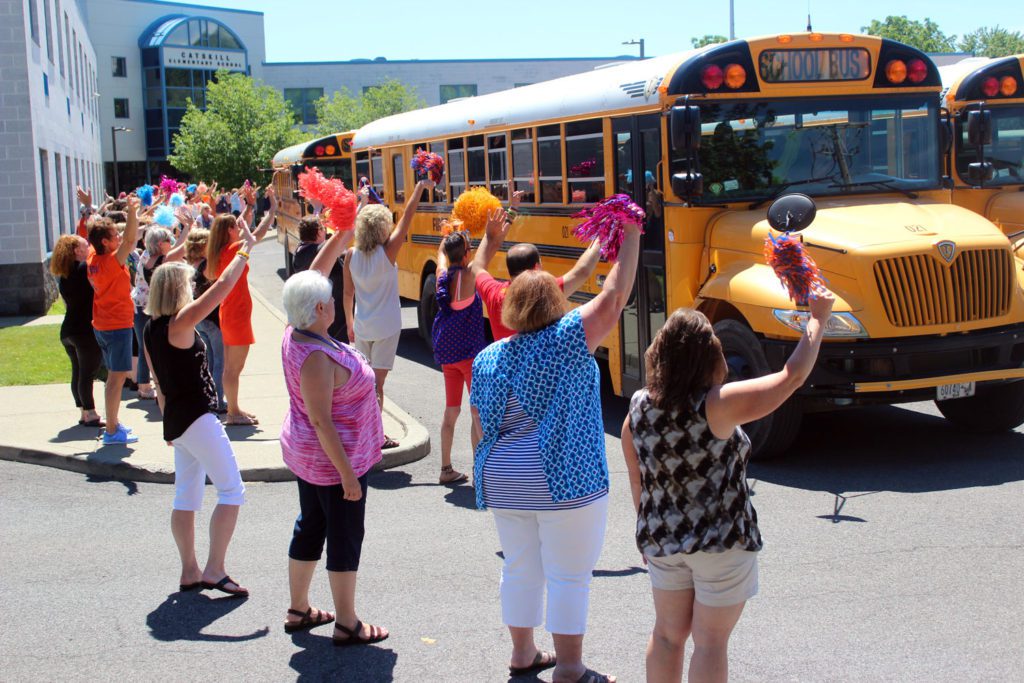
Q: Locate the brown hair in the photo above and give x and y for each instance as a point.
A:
(309, 228)
(456, 246)
(101, 229)
(220, 235)
(62, 261)
(684, 360)
(533, 302)
(195, 245)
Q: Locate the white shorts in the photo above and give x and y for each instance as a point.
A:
(204, 449)
(717, 579)
(380, 352)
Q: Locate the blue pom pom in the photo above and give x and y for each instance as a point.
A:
(164, 216)
(191, 189)
(145, 194)
(177, 199)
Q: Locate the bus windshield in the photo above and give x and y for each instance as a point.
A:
(1006, 153)
(753, 150)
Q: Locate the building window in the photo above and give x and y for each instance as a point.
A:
(67, 43)
(60, 191)
(452, 92)
(120, 67)
(44, 194)
(33, 20)
(46, 85)
(60, 42)
(303, 102)
(120, 107)
(48, 22)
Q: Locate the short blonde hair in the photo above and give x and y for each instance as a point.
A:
(302, 292)
(195, 245)
(170, 290)
(373, 227)
(533, 302)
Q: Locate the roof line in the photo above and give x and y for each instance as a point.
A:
(359, 62)
(204, 7)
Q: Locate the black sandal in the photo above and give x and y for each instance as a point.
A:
(222, 586)
(591, 676)
(355, 637)
(543, 660)
(306, 620)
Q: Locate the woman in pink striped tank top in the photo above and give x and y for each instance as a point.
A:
(330, 439)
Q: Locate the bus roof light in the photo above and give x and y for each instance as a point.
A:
(990, 86)
(712, 76)
(816, 37)
(845, 38)
(917, 70)
(735, 76)
(896, 71)
(1008, 86)
(785, 39)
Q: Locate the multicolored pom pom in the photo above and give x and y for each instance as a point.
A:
(794, 267)
(472, 208)
(606, 222)
(427, 165)
(168, 185)
(164, 216)
(145, 194)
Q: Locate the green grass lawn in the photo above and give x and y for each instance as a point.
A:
(33, 355)
(57, 308)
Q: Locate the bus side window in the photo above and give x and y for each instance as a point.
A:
(398, 165)
(497, 165)
(476, 161)
(377, 172)
(440, 193)
(362, 167)
(584, 157)
(522, 164)
(549, 156)
(456, 167)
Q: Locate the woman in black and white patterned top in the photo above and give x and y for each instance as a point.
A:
(686, 455)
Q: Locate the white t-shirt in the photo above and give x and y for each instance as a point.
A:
(378, 312)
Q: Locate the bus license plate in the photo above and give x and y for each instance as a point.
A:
(959, 390)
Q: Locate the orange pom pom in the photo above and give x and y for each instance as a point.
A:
(472, 208)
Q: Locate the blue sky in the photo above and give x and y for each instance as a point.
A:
(312, 30)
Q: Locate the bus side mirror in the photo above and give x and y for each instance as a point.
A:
(979, 172)
(979, 127)
(684, 125)
(946, 136)
(792, 212)
(688, 184)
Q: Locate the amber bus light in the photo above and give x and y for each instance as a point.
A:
(1008, 86)
(712, 77)
(896, 71)
(735, 76)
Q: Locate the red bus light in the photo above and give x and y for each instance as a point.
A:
(1008, 86)
(735, 76)
(319, 150)
(896, 71)
(917, 70)
(990, 86)
(712, 77)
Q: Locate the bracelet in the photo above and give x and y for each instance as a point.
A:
(243, 254)
(512, 213)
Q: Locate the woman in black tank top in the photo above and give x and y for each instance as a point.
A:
(188, 401)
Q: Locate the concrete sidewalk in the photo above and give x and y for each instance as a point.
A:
(38, 424)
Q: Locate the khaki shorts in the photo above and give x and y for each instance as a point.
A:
(380, 352)
(717, 579)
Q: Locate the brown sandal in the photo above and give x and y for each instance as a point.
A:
(306, 620)
(451, 476)
(354, 635)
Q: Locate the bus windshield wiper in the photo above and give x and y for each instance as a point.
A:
(887, 184)
(785, 186)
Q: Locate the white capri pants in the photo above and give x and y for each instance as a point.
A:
(204, 449)
(556, 548)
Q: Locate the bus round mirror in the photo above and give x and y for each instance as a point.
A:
(792, 212)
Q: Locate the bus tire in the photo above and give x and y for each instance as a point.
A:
(428, 309)
(773, 434)
(993, 408)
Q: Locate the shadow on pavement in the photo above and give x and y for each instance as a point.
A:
(183, 616)
(412, 347)
(76, 433)
(891, 449)
(319, 660)
(131, 487)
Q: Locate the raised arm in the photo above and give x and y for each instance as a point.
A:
(331, 251)
(601, 313)
(131, 231)
(582, 269)
(268, 218)
(189, 316)
(177, 252)
(495, 232)
(736, 403)
(442, 261)
(397, 238)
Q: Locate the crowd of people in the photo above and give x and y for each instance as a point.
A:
(181, 300)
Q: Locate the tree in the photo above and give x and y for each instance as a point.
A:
(708, 39)
(243, 126)
(924, 35)
(993, 42)
(343, 112)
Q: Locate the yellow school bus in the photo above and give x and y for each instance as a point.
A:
(332, 155)
(929, 300)
(995, 189)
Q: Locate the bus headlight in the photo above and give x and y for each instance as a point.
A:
(838, 325)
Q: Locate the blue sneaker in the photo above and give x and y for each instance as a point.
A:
(121, 436)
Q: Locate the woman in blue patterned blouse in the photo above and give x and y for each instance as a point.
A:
(540, 466)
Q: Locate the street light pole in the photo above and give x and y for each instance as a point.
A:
(732, 20)
(639, 42)
(114, 130)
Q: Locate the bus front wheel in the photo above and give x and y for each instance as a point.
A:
(993, 408)
(428, 309)
(773, 434)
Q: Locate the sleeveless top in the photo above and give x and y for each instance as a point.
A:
(458, 333)
(77, 294)
(378, 312)
(354, 412)
(693, 495)
(184, 378)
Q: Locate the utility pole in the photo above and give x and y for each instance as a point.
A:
(732, 19)
(639, 42)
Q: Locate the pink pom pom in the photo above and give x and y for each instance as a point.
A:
(168, 185)
(427, 165)
(794, 267)
(606, 221)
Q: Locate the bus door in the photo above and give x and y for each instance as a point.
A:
(637, 152)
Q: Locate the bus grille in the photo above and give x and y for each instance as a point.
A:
(922, 290)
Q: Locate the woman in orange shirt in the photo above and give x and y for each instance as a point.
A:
(236, 311)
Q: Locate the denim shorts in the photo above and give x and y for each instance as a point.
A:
(116, 346)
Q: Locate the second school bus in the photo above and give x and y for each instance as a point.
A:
(929, 304)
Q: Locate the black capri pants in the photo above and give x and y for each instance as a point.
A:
(85, 356)
(325, 515)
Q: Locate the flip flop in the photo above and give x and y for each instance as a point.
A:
(242, 420)
(591, 676)
(451, 476)
(377, 634)
(185, 587)
(222, 586)
(306, 620)
(543, 660)
(92, 423)
(389, 442)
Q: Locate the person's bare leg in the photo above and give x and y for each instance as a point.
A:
(380, 375)
(569, 653)
(451, 416)
(234, 363)
(524, 649)
(184, 531)
(343, 589)
(673, 612)
(222, 526)
(112, 397)
(300, 576)
(712, 627)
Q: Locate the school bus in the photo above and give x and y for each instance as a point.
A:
(929, 304)
(332, 155)
(988, 178)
